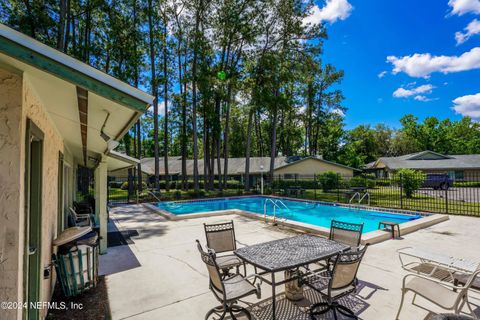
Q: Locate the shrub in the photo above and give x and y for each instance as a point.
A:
(362, 181)
(410, 180)
(125, 185)
(196, 194)
(466, 184)
(177, 195)
(329, 180)
(115, 184)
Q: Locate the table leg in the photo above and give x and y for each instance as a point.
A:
(273, 296)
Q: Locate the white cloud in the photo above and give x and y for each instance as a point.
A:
(468, 106)
(333, 10)
(422, 98)
(382, 74)
(338, 112)
(161, 108)
(471, 29)
(422, 65)
(460, 7)
(417, 92)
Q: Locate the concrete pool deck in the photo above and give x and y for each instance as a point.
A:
(159, 274)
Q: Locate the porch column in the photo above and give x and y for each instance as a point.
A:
(101, 202)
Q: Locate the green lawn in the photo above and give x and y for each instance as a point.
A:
(390, 198)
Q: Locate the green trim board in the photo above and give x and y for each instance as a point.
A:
(41, 62)
(60, 194)
(33, 217)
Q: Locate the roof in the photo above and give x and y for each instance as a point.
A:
(318, 159)
(428, 160)
(20, 46)
(87, 107)
(236, 166)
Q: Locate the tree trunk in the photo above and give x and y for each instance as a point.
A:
(206, 150)
(273, 142)
(67, 27)
(194, 100)
(247, 149)
(61, 25)
(86, 35)
(183, 137)
(139, 155)
(258, 133)
(155, 94)
(165, 97)
(225, 137)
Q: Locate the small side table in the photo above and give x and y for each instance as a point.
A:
(390, 226)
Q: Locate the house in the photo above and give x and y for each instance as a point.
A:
(459, 167)
(57, 115)
(285, 167)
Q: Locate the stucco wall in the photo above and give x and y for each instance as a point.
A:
(311, 167)
(19, 101)
(11, 180)
(52, 145)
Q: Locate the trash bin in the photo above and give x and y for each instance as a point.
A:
(76, 260)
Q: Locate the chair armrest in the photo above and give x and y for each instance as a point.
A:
(242, 244)
(316, 274)
(257, 276)
(439, 282)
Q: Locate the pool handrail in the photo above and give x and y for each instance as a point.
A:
(356, 194)
(275, 206)
(153, 194)
(366, 195)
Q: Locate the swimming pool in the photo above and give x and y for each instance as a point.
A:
(314, 213)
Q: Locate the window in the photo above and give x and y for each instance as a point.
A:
(456, 175)
(459, 175)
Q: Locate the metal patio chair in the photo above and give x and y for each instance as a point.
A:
(80, 220)
(221, 238)
(445, 295)
(335, 284)
(346, 233)
(227, 290)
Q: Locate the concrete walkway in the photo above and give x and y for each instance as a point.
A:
(159, 274)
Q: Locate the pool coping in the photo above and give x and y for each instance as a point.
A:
(371, 237)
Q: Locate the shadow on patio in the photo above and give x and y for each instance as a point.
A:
(289, 310)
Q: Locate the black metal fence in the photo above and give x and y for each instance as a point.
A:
(124, 189)
(415, 191)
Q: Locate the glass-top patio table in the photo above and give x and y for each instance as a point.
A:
(287, 254)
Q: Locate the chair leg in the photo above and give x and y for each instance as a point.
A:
(334, 307)
(217, 311)
(401, 304)
(470, 308)
(323, 306)
(346, 312)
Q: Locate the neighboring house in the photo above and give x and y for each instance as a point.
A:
(459, 167)
(56, 114)
(285, 167)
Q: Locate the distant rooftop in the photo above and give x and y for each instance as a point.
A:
(236, 166)
(428, 160)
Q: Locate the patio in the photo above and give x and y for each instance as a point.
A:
(156, 273)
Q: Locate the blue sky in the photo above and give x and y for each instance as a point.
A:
(427, 67)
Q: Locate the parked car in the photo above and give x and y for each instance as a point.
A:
(438, 181)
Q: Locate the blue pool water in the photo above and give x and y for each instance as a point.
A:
(307, 212)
